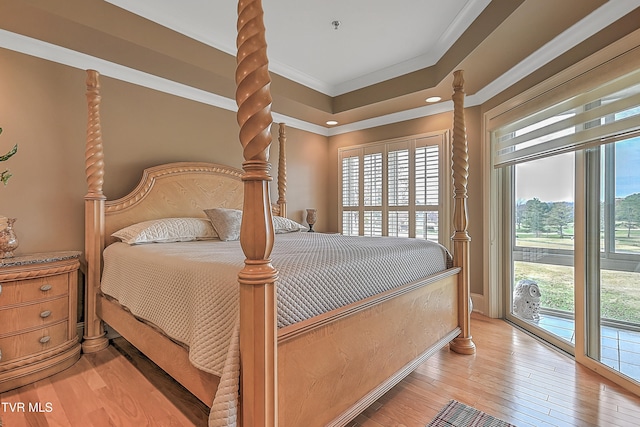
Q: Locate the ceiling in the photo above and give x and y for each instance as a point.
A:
(378, 67)
(333, 46)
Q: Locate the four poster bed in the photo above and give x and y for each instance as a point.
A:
(289, 359)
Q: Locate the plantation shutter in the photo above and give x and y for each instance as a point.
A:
(372, 177)
(427, 188)
(395, 188)
(399, 182)
(603, 114)
(350, 191)
(427, 175)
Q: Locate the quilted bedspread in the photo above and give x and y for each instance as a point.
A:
(190, 289)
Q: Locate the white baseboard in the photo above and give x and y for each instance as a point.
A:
(479, 303)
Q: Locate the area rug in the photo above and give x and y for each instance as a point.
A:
(457, 414)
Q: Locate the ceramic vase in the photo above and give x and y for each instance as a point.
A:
(8, 240)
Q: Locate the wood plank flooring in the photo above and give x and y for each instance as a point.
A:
(513, 376)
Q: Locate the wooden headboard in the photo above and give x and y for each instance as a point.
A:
(182, 189)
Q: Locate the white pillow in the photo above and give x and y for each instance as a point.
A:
(167, 230)
(227, 223)
(286, 225)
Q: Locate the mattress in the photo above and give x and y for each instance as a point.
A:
(190, 289)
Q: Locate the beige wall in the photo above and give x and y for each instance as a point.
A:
(307, 175)
(43, 109)
(433, 123)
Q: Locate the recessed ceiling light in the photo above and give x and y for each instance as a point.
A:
(433, 99)
(332, 122)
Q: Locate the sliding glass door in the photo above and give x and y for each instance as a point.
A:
(569, 178)
(542, 280)
(612, 272)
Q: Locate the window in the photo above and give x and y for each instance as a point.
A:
(396, 188)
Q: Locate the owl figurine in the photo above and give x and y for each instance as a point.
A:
(526, 300)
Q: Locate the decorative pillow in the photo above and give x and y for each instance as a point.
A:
(167, 230)
(226, 222)
(285, 225)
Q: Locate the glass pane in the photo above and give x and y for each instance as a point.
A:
(399, 223)
(373, 223)
(617, 283)
(398, 174)
(543, 285)
(627, 196)
(427, 225)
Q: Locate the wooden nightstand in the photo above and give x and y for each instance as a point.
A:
(38, 314)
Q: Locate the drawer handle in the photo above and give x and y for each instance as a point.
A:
(45, 314)
(45, 288)
(0, 355)
(0, 289)
(45, 340)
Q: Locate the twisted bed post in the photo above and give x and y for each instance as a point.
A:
(282, 170)
(94, 336)
(258, 334)
(463, 343)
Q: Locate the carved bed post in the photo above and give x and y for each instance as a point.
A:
(258, 328)
(94, 335)
(282, 170)
(463, 343)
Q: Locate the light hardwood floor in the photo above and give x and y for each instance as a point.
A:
(512, 376)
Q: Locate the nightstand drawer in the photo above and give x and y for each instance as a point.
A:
(33, 342)
(33, 289)
(33, 315)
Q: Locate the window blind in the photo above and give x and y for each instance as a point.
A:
(398, 171)
(427, 175)
(372, 177)
(604, 114)
(373, 223)
(350, 181)
(350, 223)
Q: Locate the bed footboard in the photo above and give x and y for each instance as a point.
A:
(332, 371)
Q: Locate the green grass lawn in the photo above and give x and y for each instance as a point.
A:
(620, 290)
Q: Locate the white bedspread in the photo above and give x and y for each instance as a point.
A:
(190, 289)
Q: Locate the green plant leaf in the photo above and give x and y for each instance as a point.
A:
(4, 177)
(11, 152)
